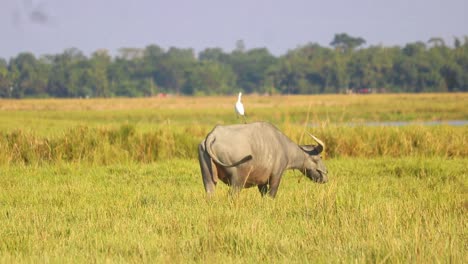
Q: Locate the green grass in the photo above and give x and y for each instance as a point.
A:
(50, 117)
(117, 180)
(372, 210)
(85, 144)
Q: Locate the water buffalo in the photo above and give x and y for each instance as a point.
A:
(256, 154)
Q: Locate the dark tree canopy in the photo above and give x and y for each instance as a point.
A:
(345, 42)
(431, 66)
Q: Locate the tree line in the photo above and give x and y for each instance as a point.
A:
(345, 65)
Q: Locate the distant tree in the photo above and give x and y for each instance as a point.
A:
(29, 76)
(460, 60)
(251, 68)
(456, 43)
(150, 72)
(174, 68)
(240, 46)
(130, 53)
(120, 78)
(62, 80)
(5, 83)
(438, 42)
(307, 69)
(153, 52)
(210, 77)
(338, 76)
(346, 43)
(291, 73)
(370, 68)
(213, 54)
(452, 76)
(99, 63)
(414, 49)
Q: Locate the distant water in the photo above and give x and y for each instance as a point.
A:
(402, 123)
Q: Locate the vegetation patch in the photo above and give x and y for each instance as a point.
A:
(118, 180)
(83, 144)
(372, 210)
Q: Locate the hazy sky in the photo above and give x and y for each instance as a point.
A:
(50, 26)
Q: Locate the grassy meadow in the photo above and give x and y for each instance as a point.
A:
(117, 180)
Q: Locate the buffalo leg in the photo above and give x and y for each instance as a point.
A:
(206, 169)
(236, 185)
(238, 177)
(274, 184)
(234, 191)
(263, 189)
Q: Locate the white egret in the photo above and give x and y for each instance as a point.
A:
(240, 108)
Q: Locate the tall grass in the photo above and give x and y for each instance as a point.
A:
(118, 181)
(372, 210)
(127, 144)
(53, 117)
(97, 146)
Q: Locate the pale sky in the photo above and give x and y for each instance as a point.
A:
(51, 26)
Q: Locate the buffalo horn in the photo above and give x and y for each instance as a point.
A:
(321, 145)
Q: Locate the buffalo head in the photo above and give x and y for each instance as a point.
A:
(314, 167)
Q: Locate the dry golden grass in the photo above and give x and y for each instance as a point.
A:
(389, 101)
(54, 116)
(37, 131)
(117, 180)
(404, 210)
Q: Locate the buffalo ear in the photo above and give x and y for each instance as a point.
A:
(311, 149)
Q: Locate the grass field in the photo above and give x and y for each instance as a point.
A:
(372, 210)
(117, 180)
(53, 116)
